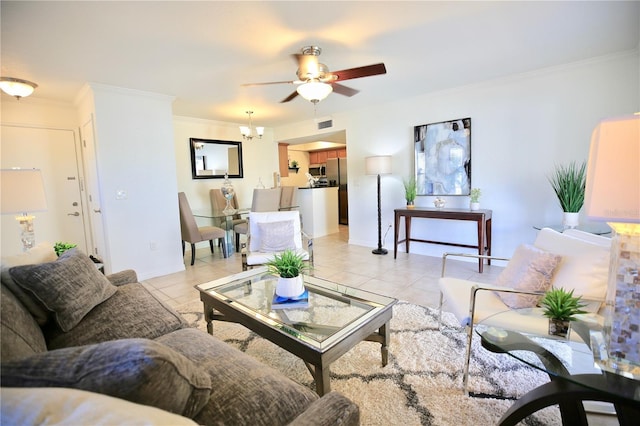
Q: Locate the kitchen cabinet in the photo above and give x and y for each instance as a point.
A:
(322, 157)
(342, 153)
(313, 157)
(283, 159)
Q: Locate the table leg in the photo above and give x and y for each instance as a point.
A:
(407, 233)
(481, 224)
(395, 234)
(384, 332)
(208, 316)
(488, 236)
(323, 385)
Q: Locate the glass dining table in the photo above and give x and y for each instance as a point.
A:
(222, 219)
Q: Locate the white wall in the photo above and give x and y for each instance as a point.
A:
(521, 127)
(134, 151)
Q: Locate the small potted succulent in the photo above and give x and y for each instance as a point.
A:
(569, 184)
(475, 198)
(561, 306)
(289, 267)
(410, 191)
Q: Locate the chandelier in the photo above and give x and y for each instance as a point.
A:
(314, 91)
(247, 132)
(17, 87)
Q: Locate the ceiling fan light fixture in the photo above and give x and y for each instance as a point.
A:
(314, 91)
(17, 87)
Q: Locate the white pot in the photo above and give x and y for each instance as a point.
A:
(290, 287)
(570, 220)
(474, 206)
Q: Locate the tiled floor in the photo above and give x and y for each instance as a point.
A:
(410, 277)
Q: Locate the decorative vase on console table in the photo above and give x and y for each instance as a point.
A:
(228, 192)
(474, 200)
(410, 192)
(569, 182)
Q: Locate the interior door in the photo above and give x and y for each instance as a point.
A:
(98, 245)
(56, 153)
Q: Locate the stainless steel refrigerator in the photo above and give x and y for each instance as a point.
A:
(337, 176)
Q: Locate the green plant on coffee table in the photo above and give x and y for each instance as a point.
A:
(287, 264)
(410, 189)
(60, 247)
(569, 183)
(475, 195)
(560, 304)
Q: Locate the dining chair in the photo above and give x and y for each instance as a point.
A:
(218, 204)
(192, 233)
(289, 198)
(266, 199)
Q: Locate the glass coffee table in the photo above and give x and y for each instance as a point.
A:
(336, 319)
(566, 389)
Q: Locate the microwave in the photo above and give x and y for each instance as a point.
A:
(317, 170)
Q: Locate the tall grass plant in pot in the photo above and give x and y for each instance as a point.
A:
(289, 267)
(569, 183)
(410, 192)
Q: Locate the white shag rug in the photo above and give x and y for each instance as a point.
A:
(421, 384)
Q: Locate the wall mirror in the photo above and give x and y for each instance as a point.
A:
(211, 159)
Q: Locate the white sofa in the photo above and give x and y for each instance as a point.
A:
(583, 267)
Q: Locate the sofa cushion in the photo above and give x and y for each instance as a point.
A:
(246, 392)
(530, 269)
(41, 253)
(69, 287)
(20, 334)
(138, 370)
(132, 312)
(584, 267)
(63, 406)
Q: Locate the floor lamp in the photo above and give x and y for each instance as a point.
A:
(22, 194)
(378, 165)
(613, 196)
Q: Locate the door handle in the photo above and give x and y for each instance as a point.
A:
(97, 211)
(73, 214)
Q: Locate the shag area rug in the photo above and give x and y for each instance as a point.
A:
(421, 384)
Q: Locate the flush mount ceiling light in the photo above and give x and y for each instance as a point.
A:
(17, 87)
(247, 132)
(314, 91)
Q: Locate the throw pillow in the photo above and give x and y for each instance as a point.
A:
(530, 269)
(276, 236)
(138, 370)
(41, 253)
(70, 287)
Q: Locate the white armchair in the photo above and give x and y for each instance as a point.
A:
(273, 232)
(583, 267)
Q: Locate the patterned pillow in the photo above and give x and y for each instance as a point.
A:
(530, 269)
(138, 370)
(70, 287)
(276, 236)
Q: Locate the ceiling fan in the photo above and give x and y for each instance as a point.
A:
(315, 80)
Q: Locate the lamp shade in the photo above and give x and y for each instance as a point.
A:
(613, 172)
(378, 165)
(22, 191)
(314, 91)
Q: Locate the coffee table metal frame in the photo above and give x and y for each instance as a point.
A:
(224, 299)
(565, 389)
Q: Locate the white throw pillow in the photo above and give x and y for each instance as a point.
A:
(276, 236)
(530, 269)
(584, 267)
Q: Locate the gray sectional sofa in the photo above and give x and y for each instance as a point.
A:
(65, 325)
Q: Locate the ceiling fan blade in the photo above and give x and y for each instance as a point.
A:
(344, 90)
(307, 66)
(289, 98)
(358, 72)
(268, 83)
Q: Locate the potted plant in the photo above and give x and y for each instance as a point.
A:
(569, 182)
(475, 198)
(60, 247)
(289, 267)
(410, 191)
(561, 306)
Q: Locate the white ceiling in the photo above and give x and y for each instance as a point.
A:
(201, 52)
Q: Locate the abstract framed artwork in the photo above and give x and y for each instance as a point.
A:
(443, 157)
